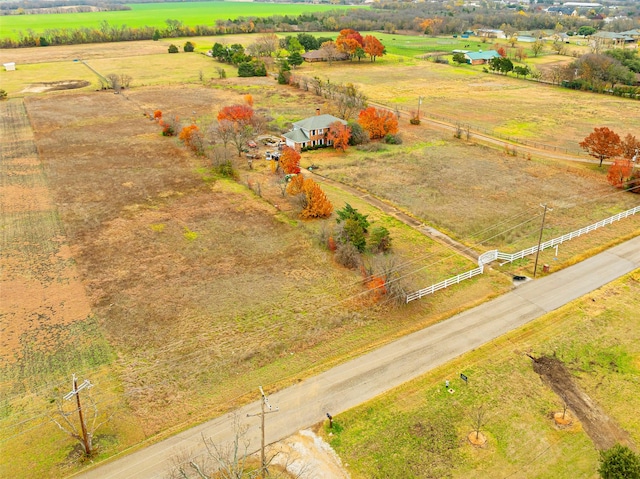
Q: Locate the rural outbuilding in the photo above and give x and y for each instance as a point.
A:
(480, 58)
(10, 67)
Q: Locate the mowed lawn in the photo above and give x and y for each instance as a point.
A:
(155, 15)
(420, 429)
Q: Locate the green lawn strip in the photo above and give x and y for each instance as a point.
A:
(155, 15)
(597, 338)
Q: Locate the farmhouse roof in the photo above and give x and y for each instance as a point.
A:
(631, 33)
(317, 122)
(488, 55)
(297, 136)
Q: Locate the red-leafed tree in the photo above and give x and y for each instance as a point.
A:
(237, 114)
(339, 135)
(290, 161)
(238, 124)
(378, 123)
(373, 47)
(502, 52)
(602, 143)
(620, 172)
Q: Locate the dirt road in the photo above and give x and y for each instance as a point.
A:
(359, 380)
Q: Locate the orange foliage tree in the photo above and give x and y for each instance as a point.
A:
(349, 41)
(249, 100)
(431, 26)
(378, 123)
(602, 143)
(373, 47)
(295, 186)
(339, 135)
(237, 114)
(620, 172)
(191, 137)
(157, 115)
(317, 203)
(290, 161)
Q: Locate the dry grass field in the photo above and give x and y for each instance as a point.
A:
(178, 292)
(510, 107)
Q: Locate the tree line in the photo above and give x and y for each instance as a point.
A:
(388, 17)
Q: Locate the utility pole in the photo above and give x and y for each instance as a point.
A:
(544, 213)
(419, 103)
(263, 402)
(76, 392)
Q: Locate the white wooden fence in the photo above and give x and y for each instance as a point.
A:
(493, 255)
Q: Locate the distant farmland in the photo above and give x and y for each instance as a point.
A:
(155, 14)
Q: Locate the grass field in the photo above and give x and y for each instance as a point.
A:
(196, 290)
(155, 14)
(420, 430)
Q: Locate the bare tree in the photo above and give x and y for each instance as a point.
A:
(91, 419)
(114, 81)
(226, 461)
(330, 51)
(478, 420)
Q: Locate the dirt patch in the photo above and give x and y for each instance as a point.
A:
(56, 85)
(307, 455)
(603, 431)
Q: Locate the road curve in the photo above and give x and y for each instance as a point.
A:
(363, 378)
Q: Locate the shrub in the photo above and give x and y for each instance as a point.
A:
(189, 47)
(173, 48)
(349, 212)
(3, 94)
(619, 462)
(347, 255)
(390, 139)
(358, 134)
(379, 240)
(353, 233)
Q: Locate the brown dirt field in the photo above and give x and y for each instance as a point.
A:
(602, 429)
(41, 291)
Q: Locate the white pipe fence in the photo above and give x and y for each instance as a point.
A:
(489, 256)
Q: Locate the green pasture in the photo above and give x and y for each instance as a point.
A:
(420, 430)
(155, 14)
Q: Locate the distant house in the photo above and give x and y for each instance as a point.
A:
(632, 33)
(480, 58)
(320, 56)
(562, 10)
(490, 33)
(311, 131)
(612, 38)
(526, 38)
(10, 67)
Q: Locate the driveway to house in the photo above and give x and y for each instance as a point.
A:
(370, 375)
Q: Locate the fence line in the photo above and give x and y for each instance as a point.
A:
(489, 256)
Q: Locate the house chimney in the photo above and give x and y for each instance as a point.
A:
(317, 111)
